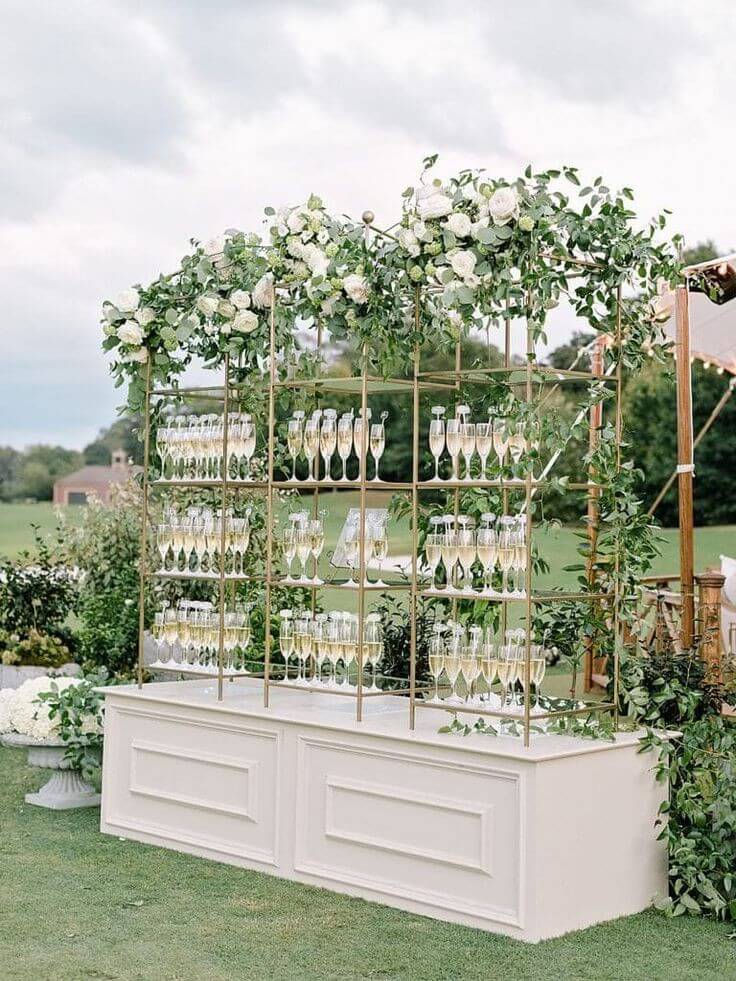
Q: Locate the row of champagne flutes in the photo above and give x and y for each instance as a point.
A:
(192, 542)
(314, 640)
(464, 657)
(191, 447)
(322, 435)
(190, 634)
(303, 539)
(463, 438)
(499, 543)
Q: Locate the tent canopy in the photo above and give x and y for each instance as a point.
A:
(712, 326)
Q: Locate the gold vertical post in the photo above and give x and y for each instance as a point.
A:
(144, 524)
(364, 437)
(593, 508)
(414, 519)
(530, 348)
(505, 491)
(223, 528)
(617, 557)
(269, 498)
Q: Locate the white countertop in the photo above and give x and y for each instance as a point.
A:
(383, 717)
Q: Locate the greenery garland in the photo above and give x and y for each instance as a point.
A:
(478, 248)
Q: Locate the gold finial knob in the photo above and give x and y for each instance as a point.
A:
(368, 217)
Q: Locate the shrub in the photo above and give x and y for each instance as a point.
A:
(43, 650)
(36, 593)
(106, 546)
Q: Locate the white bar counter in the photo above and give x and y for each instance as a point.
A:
(476, 830)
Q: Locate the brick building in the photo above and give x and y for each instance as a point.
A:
(75, 487)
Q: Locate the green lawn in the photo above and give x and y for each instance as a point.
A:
(77, 904)
(16, 520)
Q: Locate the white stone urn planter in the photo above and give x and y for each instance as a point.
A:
(13, 676)
(66, 788)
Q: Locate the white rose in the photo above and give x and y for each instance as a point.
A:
(316, 259)
(296, 222)
(140, 355)
(130, 332)
(214, 246)
(472, 281)
(262, 292)
(323, 236)
(226, 309)
(240, 299)
(459, 224)
(127, 301)
(328, 308)
(356, 288)
(477, 225)
(295, 247)
(408, 242)
(471, 194)
(420, 230)
(145, 316)
(432, 202)
(503, 205)
(245, 321)
(208, 305)
(462, 263)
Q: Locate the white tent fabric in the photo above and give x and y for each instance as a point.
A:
(712, 328)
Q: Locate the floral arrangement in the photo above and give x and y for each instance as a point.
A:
(467, 252)
(22, 711)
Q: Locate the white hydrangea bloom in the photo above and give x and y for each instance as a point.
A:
(6, 697)
(30, 718)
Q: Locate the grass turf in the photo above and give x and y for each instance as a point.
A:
(76, 904)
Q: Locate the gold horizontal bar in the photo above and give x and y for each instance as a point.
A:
(342, 484)
(481, 374)
(231, 484)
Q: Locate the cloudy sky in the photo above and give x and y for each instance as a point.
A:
(128, 128)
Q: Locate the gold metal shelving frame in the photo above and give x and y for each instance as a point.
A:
(524, 375)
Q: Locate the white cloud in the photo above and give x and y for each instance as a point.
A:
(130, 128)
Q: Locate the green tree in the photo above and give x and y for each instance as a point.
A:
(121, 434)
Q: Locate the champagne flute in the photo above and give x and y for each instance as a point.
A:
(487, 540)
(448, 551)
(288, 544)
(484, 444)
(359, 442)
(286, 638)
(466, 552)
(433, 548)
(164, 539)
(328, 439)
(538, 668)
(505, 557)
(437, 438)
(453, 436)
(379, 544)
(352, 546)
(303, 549)
(467, 445)
(294, 441)
(517, 442)
(372, 644)
(500, 442)
(249, 443)
(321, 645)
(451, 665)
(345, 441)
(316, 532)
(436, 658)
(311, 444)
(378, 442)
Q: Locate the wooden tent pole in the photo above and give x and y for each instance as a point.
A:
(685, 464)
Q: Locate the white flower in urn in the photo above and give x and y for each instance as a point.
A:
(356, 287)
(128, 301)
(245, 321)
(408, 241)
(145, 316)
(503, 205)
(208, 305)
(262, 292)
(432, 202)
(459, 224)
(240, 299)
(462, 263)
(28, 716)
(130, 332)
